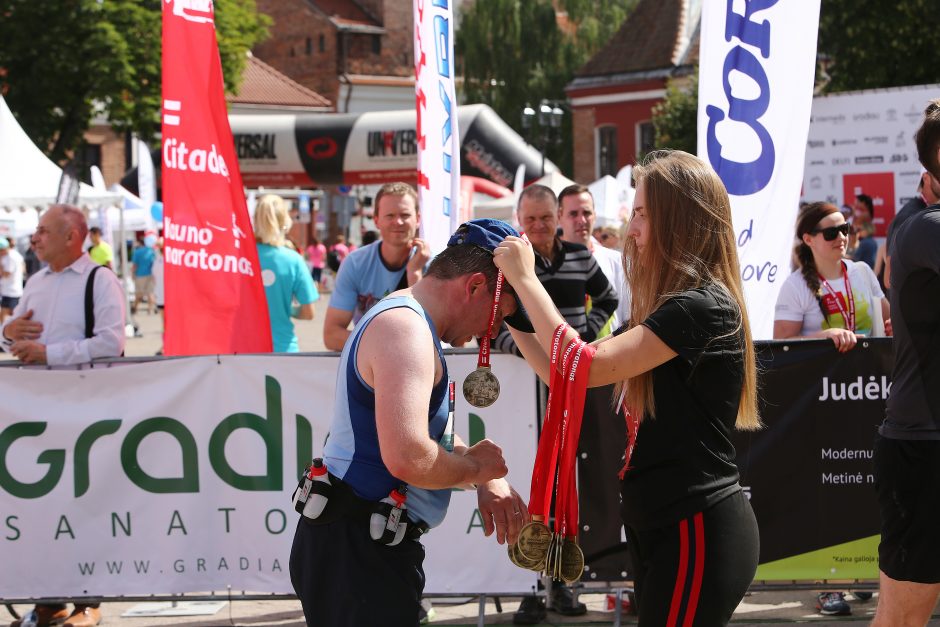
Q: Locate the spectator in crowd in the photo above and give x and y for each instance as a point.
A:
(865, 247)
(287, 283)
(158, 274)
(686, 368)
(394, 262)
(142, 271)
(52, 326)
(33, 263)
(12, 269)
(576, 216)
(831, 297)
(609, 237)
(100, 251)
(369, 236)
(316, 258)
(340, 247)
(928, 193)
(568, 271)
(907, 451)
(571, 275)
(389, 428)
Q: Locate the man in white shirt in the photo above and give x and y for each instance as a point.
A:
(576, 217)
(49, 323)
(12, 268)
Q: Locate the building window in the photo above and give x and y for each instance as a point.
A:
(322, 43)
(376, 44)
(645, 138)
(88, 155)
(309, 47)
(607, 150)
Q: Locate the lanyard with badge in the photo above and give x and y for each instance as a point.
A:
(832, 297)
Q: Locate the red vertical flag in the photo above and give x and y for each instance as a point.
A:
(214, 297)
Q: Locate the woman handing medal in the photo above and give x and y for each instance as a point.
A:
(686, 374)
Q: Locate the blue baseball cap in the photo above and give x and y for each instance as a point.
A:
(486, 233)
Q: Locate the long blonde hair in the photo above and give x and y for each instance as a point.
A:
(272, 221)
(691, 244)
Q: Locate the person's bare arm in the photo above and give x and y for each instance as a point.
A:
(396, 357)
(305, 312)
(618, 359)
(336, 328)
(844, 339)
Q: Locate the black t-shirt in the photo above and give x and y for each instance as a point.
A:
(683, 462)
(913, 411)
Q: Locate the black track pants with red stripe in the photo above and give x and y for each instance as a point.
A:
(695, 573)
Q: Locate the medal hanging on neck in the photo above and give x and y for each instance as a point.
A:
(848, 310)
(481, 387)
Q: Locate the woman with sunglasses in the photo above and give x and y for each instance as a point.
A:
(829, 296)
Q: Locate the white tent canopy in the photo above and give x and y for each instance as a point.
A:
(29, 180)
(612, 200)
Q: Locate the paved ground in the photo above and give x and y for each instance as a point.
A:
(757, 609)
(760, 608)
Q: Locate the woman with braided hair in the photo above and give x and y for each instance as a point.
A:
(829, 296)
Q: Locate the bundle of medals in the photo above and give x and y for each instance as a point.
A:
(481, 387)
(554, 552)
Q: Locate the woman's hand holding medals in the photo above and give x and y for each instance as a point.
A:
(555, 552)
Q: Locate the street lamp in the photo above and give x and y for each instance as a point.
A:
(550, 115)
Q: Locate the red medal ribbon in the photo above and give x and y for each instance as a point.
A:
(483, 361)
(546, 455)
(633, 426)
(566, 500)
(848, 316)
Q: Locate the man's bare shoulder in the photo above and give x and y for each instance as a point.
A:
(395, 332)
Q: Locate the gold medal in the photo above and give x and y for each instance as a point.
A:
(481, 387)
(521, 561)
(571, 565)
(534, 540)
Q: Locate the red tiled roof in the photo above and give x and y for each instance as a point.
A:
(345, 13)
(263, 85)
(647, 40)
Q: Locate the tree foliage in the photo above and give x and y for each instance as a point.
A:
(63, 62)
(879, 43)
(514, 52)
(676, 117)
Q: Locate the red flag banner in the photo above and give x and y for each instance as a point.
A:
(214, 297)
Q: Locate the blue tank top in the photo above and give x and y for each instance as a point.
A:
(352, 450)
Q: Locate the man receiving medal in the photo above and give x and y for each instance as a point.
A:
(390, 448)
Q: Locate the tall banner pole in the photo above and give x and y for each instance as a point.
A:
(215, 301)
(438, 136)
(756, 75)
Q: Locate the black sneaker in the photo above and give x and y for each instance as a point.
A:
(531, 611)
(562, 600)
(862, 595)
(832, 604)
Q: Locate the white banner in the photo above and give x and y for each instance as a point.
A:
(438, 139)
(756, 75)
(176, 476)
(863, 143)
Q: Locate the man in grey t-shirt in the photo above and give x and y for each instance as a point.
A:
(907, 453)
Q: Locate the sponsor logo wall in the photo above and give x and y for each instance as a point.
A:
(176, 476)
(863, 143)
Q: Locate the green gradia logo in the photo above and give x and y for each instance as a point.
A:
(269, 428)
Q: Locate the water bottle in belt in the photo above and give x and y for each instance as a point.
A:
(313, 491)
(388, 522)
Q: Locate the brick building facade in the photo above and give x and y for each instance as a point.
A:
(358, 54)
(613, 94)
